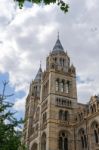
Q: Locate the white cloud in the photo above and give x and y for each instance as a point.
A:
(45, 31)
(90, 4)
(32, 33)
(19, 104)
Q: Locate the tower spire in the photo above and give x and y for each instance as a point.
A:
(40, 64)
(58, 48)
(39, 74)
(58, 35)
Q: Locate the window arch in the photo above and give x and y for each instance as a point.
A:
(34, 147)
(91, 108)
(63, 140)
(61, 114)
(67, 86)
(43, 142)
(44, 117)
(66, 115)
(37, 114)
(94, 107)
(62, 86)
(95, 131)
(96, 135)
(57, 85)
(60, 143)
(83, 138)
(61, 61)
(55, 60)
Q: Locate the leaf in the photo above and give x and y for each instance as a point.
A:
(63, 6)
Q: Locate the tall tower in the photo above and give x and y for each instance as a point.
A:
(58, 101)
(51, 104)
(32, 108)
(54, 118)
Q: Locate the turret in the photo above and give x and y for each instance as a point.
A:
(58, 58)
(36, 84)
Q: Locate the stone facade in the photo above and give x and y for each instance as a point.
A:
(54, 118)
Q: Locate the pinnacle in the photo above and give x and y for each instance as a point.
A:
(58, 46)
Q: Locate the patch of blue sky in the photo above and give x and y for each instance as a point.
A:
(4, 77)
(28, 4)
(79, 80)
(87, 80)
(9, 89)
(20, 94)
(19, 114)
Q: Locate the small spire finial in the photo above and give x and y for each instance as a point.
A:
(40, 63)
(58, 35)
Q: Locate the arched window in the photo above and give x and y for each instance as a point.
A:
(55, 60)
(37, 114)
(61, 114)
(35, 90)
(68, 103)
(57, 101)
(60, 143)
(67, 87)
(82, 141)
(81, 115)
(94, 107)
(66, 115)
(66, 143)
(85, 141)
(43, 142)
(44, 117)
(63, 141)
(34, 147)
(83, 138)
(91, 109)
(96, 136)
(63, 62)
(57, 85)
(95, 131)
(60, 62)
(62, 86)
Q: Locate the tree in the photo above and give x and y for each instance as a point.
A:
(9, 136)
(63, 6)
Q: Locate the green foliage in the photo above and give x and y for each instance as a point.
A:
(9, 136)
(63, 6)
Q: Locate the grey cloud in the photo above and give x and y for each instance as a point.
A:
(76, 36)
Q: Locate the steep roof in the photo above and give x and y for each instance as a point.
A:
(58, 48)
(38, 75)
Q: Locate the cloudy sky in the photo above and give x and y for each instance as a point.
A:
(28, 35)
